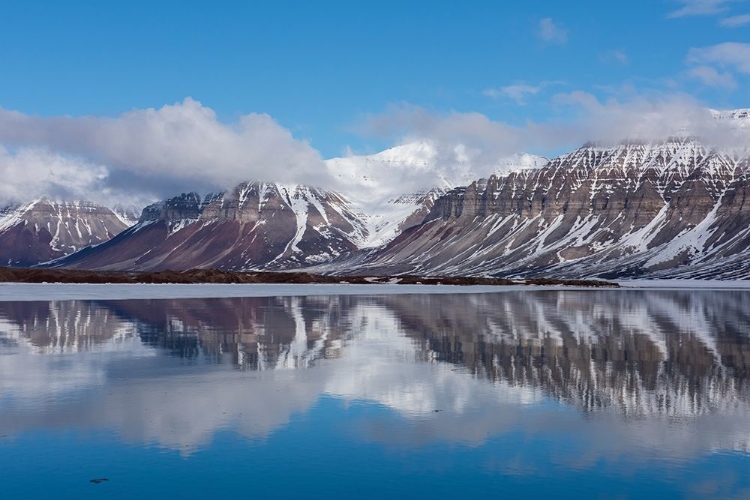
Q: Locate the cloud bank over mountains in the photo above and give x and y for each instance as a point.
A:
(584, 118)
(624, 91)
(179, 146)
(149, 154)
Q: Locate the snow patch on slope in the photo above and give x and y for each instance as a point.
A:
(295, 197)
(11, 216)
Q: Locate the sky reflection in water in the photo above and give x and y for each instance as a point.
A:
(575, 393)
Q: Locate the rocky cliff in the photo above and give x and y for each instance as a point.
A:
(659, 209)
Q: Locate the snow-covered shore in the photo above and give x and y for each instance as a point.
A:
(119, 291)
(58, 291)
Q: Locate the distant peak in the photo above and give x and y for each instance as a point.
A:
(731, 114)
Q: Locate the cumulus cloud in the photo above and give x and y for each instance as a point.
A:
(712, 78)
(517, 92)
(616, 56)
(144, 155)
(584, 117)
(179, 146)
(35, 172)
(551, 32)
(459, 137)
(647, 119)
(732, 55)
(700, 8)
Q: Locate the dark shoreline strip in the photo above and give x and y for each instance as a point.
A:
(198, 276)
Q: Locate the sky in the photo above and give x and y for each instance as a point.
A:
(160, 96)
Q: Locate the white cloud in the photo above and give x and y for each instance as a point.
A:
(518, 92)
(731, 55)
(577, 98)
(154, 153)
(700, 8)
(735, 21)
(711, 77)
(640, 118)
(176, 147)
(34, 172)
(584, 117)
(617, 56)
(456, 139)
(550, 32)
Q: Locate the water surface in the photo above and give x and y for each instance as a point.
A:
(571, 394)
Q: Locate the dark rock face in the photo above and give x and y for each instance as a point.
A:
(44, 230)
(256, 226)
(635, 209)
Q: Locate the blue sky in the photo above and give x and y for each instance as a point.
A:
(318, 67)
(354, 76)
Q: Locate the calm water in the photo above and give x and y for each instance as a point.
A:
(592, 394)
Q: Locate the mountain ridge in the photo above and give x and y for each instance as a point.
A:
(43, 230)
(628, 210)
(668, 208)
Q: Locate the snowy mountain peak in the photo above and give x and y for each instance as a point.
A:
(731, 114)
(417, 167)
(414, 154)
(394, 189)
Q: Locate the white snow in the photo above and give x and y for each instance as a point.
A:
(13, 216)
(740, 117)
(10, 292)
(297, 200)
(686, 284)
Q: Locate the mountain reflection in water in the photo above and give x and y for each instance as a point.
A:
(661, 374)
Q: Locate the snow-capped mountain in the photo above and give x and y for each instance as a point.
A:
(272, 226)
(667, 208)
(394, 189)
(740, 117)
(256, 225)
(43, 230)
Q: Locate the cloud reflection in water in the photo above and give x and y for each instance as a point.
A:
(626, 374)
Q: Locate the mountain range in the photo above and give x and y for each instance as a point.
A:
(671, 208)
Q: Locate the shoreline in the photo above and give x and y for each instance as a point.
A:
(215, 276)
(29, 292)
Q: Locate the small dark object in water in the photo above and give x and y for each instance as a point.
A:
(99, 480)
